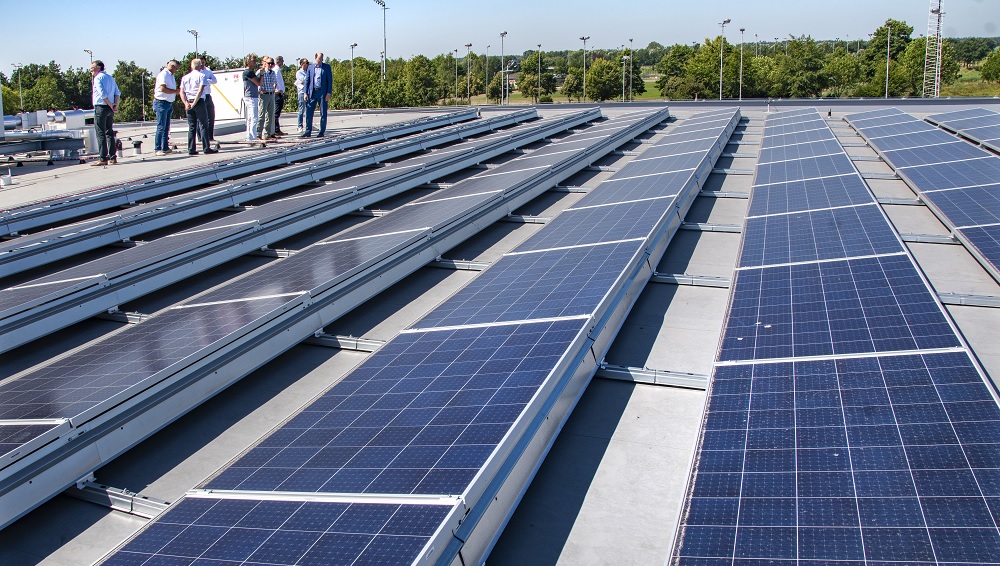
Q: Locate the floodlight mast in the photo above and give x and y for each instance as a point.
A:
(353, 45)
(584, 40)
(385, 50)
(631, 53)
(91, 53)
(468, 73)
(722, 48)
(503, 69)
(888, 37)
(194, 32)
(741, 62)
(538, 93)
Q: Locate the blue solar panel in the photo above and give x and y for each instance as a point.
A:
(245, 531)
(108, 369)
(624, 188)
(421, 415)
(986, 240)
(844, 190)
(554, 283)
(610, 223)
(842, 307)
(920, 139)
(953, 151)
(807, 168)
(816, 235)
(904, 125)
(954, 175)
(852, 461)
(968, 207)
(946, 117)
(789, 152)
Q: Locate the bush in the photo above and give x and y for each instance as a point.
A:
(546, 98)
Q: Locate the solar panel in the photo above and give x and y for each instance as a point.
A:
(779, 198)
(865, 460)
(806, 168)
(979, 125)
(946, 117)
(778, 140)
(985, 239)
(421, 415)
(817, 235)
(554, 283)
(788, 152)
(877, 304)
(248, 531)
(929, 155)
(599, 223)
(14, 436)
(971, 206)
(107, 370)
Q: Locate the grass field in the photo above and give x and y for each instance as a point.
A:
(970, 83)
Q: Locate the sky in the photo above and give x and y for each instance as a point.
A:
(150, 33)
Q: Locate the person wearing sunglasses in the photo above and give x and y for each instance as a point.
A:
(268, 87)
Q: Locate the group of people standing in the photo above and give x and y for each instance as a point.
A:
(263, 100)
(264, 95)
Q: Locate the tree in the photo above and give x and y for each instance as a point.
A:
(604, 80)
(991, 67)
(912, 66)
(77, 84)
(971, 50)
(136, 85)
(873, 55)
(528, 82)
(573, 85)
(495, 88)
(843, 72)
(800, 72)
(10, 100)
(671, 68)
(419, 87)
(45, 94)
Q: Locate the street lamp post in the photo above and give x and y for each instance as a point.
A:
(888, 36)
(631, 53)
(538, 93)
(20, 92)
(91, 53)
(722, 49)
(756, 46)
(194, 32)
(775, 47)
(456, 75)
(503, 69)
(353, 45)
(741, 62)
(468, 73)
(382, 5)
(624, 58)
(486, 77)
(381, 58)
(584, 39)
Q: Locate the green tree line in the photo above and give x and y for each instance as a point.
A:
(796, 67)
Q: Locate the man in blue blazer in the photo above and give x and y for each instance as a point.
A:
(318, 88)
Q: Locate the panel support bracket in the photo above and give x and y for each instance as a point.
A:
(116, 498)
(652, 376)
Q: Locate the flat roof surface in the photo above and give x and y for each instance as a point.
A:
(611, 488)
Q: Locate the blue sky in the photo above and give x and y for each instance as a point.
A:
(137, 30)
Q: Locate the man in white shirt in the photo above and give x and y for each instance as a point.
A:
(209, 103)
(300, 87)
(164, 94)
(279, 94)
(193, 95)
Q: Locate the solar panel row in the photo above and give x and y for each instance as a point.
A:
(48, 212)
(956, 180)
(442, 405)
(860, 431)
(977, 124)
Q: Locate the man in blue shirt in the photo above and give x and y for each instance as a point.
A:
(105, 97)
(318, 88)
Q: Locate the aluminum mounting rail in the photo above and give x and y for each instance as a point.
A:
(93, 432)
(61, 242)
(42, 213)
(36, 308)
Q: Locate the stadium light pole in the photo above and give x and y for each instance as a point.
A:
(381, 57)
(20, 92)
(456, 75)
(741, 62)
(486, 75)
(722, 49)
(382, 5)
(631, 53)
(468, 73)
(756, 46)
(584, 39)
(91, 53)
(775, 47)
(503, 70)
(624, 58)
(194, 32)
(847, 43)
(353, 45)
(888, 38)
(538, 94)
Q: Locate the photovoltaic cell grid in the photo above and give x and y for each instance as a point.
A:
(421, 416)
(245, 531)
(957, 179)
(881, 460)
(818, 234)
(978, 124)
(857, 458)
(14, 436)
(877, 304)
